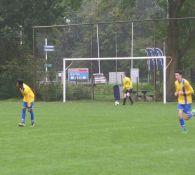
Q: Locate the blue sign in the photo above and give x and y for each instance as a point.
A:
(81, 74)
(48, 48)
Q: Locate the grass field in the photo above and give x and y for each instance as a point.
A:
(96, 138)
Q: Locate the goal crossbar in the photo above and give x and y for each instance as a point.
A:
(114, 58)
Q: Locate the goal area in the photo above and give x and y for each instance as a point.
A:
(67, 70)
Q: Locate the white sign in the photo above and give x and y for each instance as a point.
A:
(48, 48)
(135, 75)
(115, 77)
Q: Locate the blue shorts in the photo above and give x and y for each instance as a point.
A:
(186, 108)
(24, 104)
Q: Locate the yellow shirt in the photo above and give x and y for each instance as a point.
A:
(127, 83)
(28, 95)
(186, 88)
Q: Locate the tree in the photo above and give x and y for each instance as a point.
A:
(17, 17)
(180, 37)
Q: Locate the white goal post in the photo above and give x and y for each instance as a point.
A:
(115, 58)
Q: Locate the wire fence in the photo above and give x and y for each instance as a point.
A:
(115, 39)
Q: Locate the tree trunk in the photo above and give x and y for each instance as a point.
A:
(172, 52)
(172, 46)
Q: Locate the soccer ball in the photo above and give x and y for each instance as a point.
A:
(116, 103)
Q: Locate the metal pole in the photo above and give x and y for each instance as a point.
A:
(45, 61)
(98, 46)
(92, 85)
(167, 9)
(132, 44)
(33, 42)
(33, 52)
(64, 80)
(116, 57)
(21, 42)
(164, 48)
(164, 81)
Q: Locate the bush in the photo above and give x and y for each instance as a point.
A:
(79, 91)
(50, 92)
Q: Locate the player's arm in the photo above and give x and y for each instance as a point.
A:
(28, 99)
(22, 90)
(176, 89)
(124, 83)
(27, 96)
(131, 84)
(189, 89)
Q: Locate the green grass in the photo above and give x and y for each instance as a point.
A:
(96, 138)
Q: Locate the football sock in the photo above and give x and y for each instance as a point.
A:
(32, 116)
(131, 100)
(182, 123)
(189, 115)
(124, 101)
(23, 115)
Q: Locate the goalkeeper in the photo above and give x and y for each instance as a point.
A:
(28, 102)
(127, 89)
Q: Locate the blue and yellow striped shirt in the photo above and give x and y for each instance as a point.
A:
(186, 88)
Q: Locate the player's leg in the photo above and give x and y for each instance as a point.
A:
(180, 115)
(187, 112)
(32, 117)
(23, 114)
(181, 119)
(125, 97)
(131, 100)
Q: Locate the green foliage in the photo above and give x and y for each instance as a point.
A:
(79, 91)
(50, 92)
(17, 17)
(103, 92)
(22, 68)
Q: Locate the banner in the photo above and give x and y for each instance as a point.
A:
(78, 74)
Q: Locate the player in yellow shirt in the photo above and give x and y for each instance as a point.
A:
(183, 92)
(28, 102)
(127, 89)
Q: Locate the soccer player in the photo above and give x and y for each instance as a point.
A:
(28, 102)
(127, 89)
(183, 91)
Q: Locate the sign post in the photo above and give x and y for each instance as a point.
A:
(47, 48)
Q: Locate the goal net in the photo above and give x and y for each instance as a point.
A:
(81, 80)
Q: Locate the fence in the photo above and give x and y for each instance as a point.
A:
(114, 39)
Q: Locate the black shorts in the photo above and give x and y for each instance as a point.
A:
(128, 91)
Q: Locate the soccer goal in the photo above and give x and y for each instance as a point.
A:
(66, 67)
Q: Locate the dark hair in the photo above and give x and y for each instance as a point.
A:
(178, 72)
(126, 73)
(20, 82)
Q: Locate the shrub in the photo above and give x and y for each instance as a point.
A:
(79, 91)
(50, 91)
